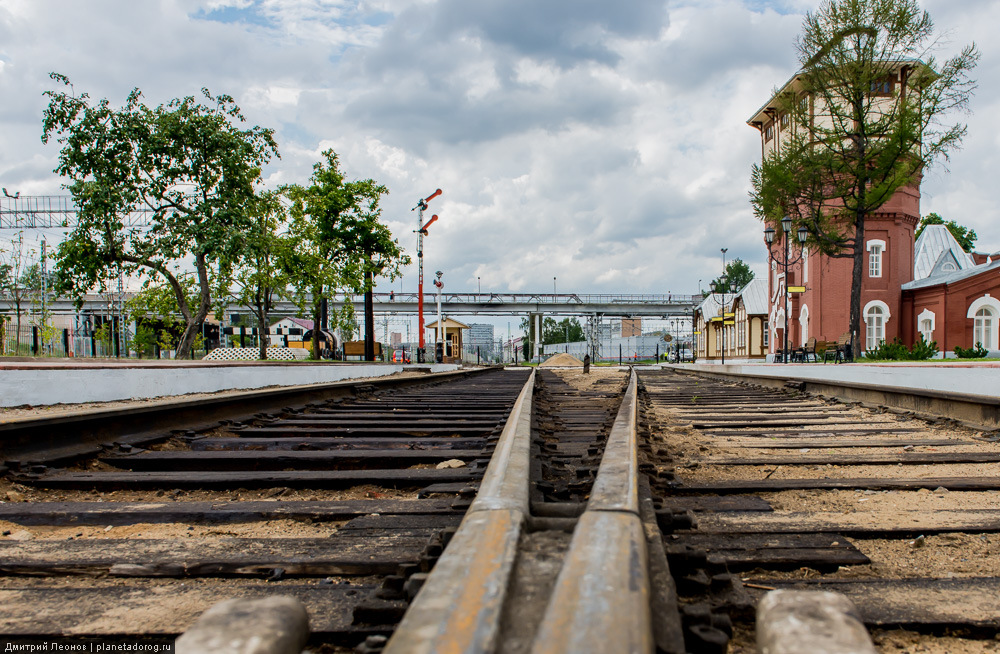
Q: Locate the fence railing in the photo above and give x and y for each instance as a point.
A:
(39, 341)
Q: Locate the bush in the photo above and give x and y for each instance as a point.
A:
(896, 351)
(977, 352)
(887, 351)
(923, 350)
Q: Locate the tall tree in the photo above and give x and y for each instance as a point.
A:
(16, 284)
(365, 238)
(189, 164)
(737, 273)
(567, 330)
(258, 277)
(866, 114)
(966, 237)
(339, 241)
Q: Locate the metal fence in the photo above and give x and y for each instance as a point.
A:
(46, 341)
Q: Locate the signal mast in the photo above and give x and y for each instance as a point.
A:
(421, 232)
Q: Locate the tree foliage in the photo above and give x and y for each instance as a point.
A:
(258, 278)
(737, 273)
(157, 315)
(553, 332)
(336, 237)
(19, 277)
(855, 136)
(966, 237)
(567, 330)
(189, 163)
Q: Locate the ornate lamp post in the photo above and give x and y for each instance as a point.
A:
(721, 287)
(785, 261)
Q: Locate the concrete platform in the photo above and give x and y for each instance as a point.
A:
(974, 379)
(66, 381)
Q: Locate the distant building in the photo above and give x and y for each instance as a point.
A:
(481, 337)
(395, 338)
(742, 328)
(631, 327)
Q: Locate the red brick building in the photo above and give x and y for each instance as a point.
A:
(821, 311)
(954, 300)
(932, 288)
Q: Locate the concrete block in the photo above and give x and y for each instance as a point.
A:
(818, 622)
(273, 625)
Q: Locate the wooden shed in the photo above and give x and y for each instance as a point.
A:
(452, 339)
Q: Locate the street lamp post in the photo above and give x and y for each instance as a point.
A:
(721, 287)
(786, 260)
(440, 334)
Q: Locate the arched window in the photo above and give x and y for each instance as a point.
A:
(985, 329)
(875, 319)
(875, 249)
(985, 315)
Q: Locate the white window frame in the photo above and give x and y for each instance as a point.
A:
(875, 334)
(992, 306)
(804, 324)
(926, 316)
(875, 247)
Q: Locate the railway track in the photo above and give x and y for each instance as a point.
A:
(504, 511)
(342, 504)
(789, 491)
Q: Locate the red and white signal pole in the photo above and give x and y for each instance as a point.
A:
(421, 232)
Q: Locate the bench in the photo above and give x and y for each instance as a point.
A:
(843, 351)
(804, 353)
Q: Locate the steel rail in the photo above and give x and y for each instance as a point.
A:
(601, 599)
(459, 607)
(600, 602)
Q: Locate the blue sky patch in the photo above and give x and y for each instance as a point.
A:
(247, 16)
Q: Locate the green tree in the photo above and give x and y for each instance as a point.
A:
(363, 237)
(337, 240)
(966, 237)
(866, 117)
(155, 309)
(738, 274)
(189, 164)
(258, 277)
(529, 338)
(567, 330)
(18, 277)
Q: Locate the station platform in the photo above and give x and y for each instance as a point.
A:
(43, 382)
(980, 379)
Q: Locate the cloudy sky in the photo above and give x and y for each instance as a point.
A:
(601, 143)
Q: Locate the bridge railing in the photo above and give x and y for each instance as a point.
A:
(529, 298)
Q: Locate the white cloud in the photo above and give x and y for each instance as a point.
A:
(599, 143)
